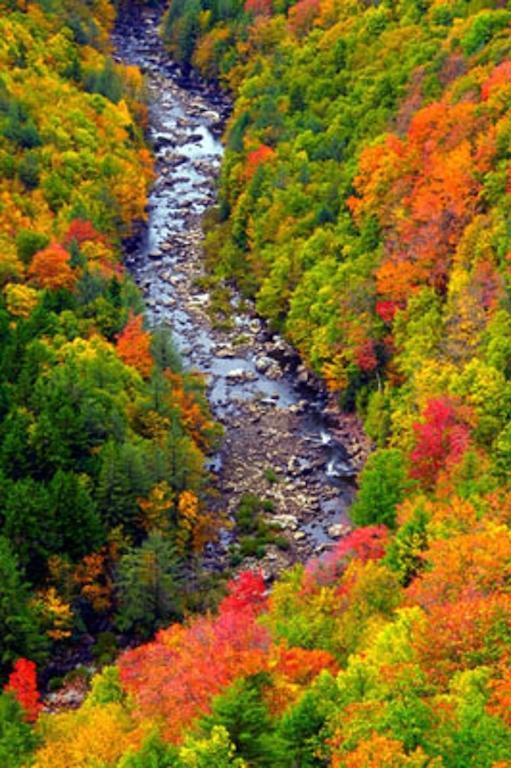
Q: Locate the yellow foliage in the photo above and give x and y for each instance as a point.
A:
(21, 299)
(155, 509)
(10, 266)
(188, 511)
(88, 738)
(57, 614)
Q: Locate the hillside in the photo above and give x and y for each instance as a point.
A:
(363, 205)
(102, 436)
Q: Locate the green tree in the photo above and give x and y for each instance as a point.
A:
(17, 737)
(243, 713)
(20, 630)
(383, 483)
(148, 584)
(303, 727)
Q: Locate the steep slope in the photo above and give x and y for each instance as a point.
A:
(365, 205)
(102, 436)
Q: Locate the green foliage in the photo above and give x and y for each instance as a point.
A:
(148, 586)
(243, 714)
(17, 737)
(382, 487)
(106, 688)
(20, 625)
(28, 243)
(254, 533)
(154, 753)
(303, 728)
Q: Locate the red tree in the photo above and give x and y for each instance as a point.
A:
(365, 356)
(302, 15)
(176, 677)
(441, 439)
(258, 7)
(81, 231)
(364, 544)
(23, 685)
(248, 591)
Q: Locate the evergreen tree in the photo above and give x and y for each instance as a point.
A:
(148, 586)
(20, 630)
(17, 738)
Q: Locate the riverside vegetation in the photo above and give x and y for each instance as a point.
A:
(364, 205)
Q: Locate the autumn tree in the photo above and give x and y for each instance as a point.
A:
(441, 439)
(50, 268)
(22, 684)
(134, 346)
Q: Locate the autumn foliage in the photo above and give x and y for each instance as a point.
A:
(50, 268)
(177, 675)
(134, 346)
(441, 439)
(22, 684)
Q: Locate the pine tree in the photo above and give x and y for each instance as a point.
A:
(20, 630)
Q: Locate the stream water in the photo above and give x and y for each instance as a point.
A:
(272, 414)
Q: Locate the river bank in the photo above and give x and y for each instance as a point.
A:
(278, 421)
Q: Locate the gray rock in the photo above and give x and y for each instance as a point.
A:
(338, 530)
(285, 522)
(240, 374)
(263, 363)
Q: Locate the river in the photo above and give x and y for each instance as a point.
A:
(271, 408)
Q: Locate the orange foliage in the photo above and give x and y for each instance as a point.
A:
(473, 630)
(379, 751)
(500, 76)
(95, 581)
(479, 561)
(194, 417)
(500, 698)
(134, 346)
(50, 268)
(255, 158)
(424, 190)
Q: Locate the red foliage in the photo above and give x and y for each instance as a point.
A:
(81, 231)
(255, 158)
(176, 677)
(23, 685)
(302, 15)
(386, 310)
(441, 439)
(258, 7)
(363, 544)
(365, 356)
(248, 591)
(134, 346)
(487, 284)
(50, 268)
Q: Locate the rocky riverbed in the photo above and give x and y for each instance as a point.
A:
(277, 420)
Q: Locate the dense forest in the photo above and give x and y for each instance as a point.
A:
(102, 436)
(364, 203)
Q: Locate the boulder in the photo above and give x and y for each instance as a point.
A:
(285, 522)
